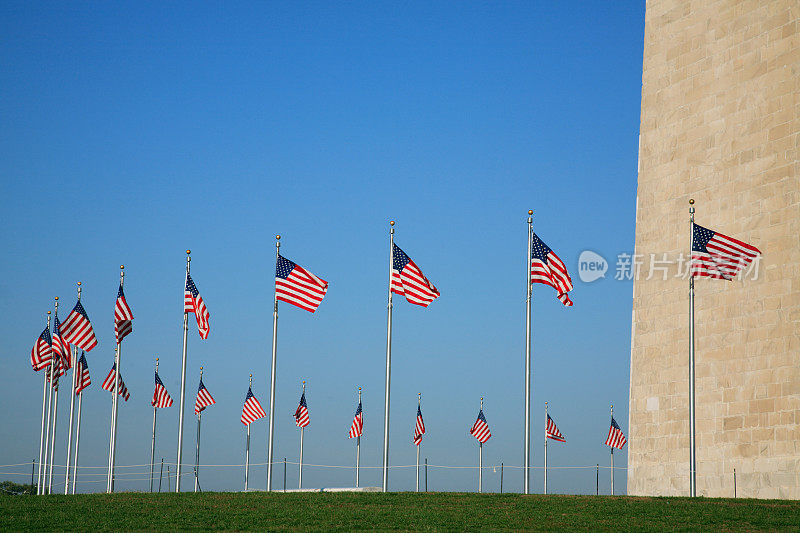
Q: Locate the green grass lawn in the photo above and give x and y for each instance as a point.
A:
(392, 511)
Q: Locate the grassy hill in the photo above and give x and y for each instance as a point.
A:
(392, 511)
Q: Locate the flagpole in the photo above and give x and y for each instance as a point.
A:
(48, 434)
(612, 456)
(153, 442)
(183, 380)
(480, 460)
(197, 448)
(692, 453)
(388, 365)
(545, 447)
(272, 375)
(118, 363)
(247, 449)
(73, 361)
(77, 441)
(53, 439)
(358, 445)
(419, 404)
(302, 429)
(528, 297)
(42, 439)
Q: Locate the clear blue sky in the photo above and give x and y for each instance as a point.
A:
(131, 132)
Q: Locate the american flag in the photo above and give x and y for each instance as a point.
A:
(480, 429)
(77, 329)
(82, 371)
(408, 280)
(42, 351)
(718, 256)
(203, 400)
(301, 418)
(58, 370)
(615, 437)
(552, 432)
(357, 427)
(419, 427)
(161, 397)
(297, 286)
(60, 348)
(123, 317)
(252, 409)
(193, 303)
(547, 268)
(108, 384)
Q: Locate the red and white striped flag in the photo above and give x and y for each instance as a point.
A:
(108, 384)
(301, 418)
(357, 427)
(297, 286)
(82, 373)
(161, 397)
(203, 400)
(615, 437)
(552, 432)
(60, 348)
(419, 427)
(480, 429)
(193, 303)
(408, 280)
(42, 351)
(252, 409)
(77, 329)
(123, 316)
(547, 268)
(715, 255)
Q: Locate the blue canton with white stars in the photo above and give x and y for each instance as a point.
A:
(539, 250)
(158, 380)
(399, 258)
(283, 267)
(190, 286)
(358, 411)
(79, 308)
(249, 395)
(700, 238)
(303, 400)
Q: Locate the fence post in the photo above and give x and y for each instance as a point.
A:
(597, 480)
(501, 478)
(160, 474)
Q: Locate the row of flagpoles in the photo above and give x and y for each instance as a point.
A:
(713, 255)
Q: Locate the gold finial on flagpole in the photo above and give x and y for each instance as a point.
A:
(277, 237)
(188, 252)
(122, 267)
(391, 222)
(530, 211)
(49, 312)
(691, 201)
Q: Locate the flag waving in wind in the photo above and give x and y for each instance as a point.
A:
(301, 418)
(42, 351)
(357, 427)
(82, 371)
(419, 427)
(552, 432)
(252, 409)
(480, 429)
(193, 303)
(108, 384)
(715, 255)
(60, 348)
(161, 397)
(547, 268)
(408, 280)
(77, 329)
(297, 286)
(615, 437)
(203, 400)
(123, 316)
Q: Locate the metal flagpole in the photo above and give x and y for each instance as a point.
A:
(480, 460)
(272, 376)
(358, 445)
(388, 365)
(545, 447)
(77, 441)
(247, 450)
(300, 482)
(419, 403)
(527, 440)
(612, 458)
(197, 449)
(42, 439)
(692, 454)
(53, 439)
(73, 362)
(183, 381)
(118, 362)
(153, 442)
